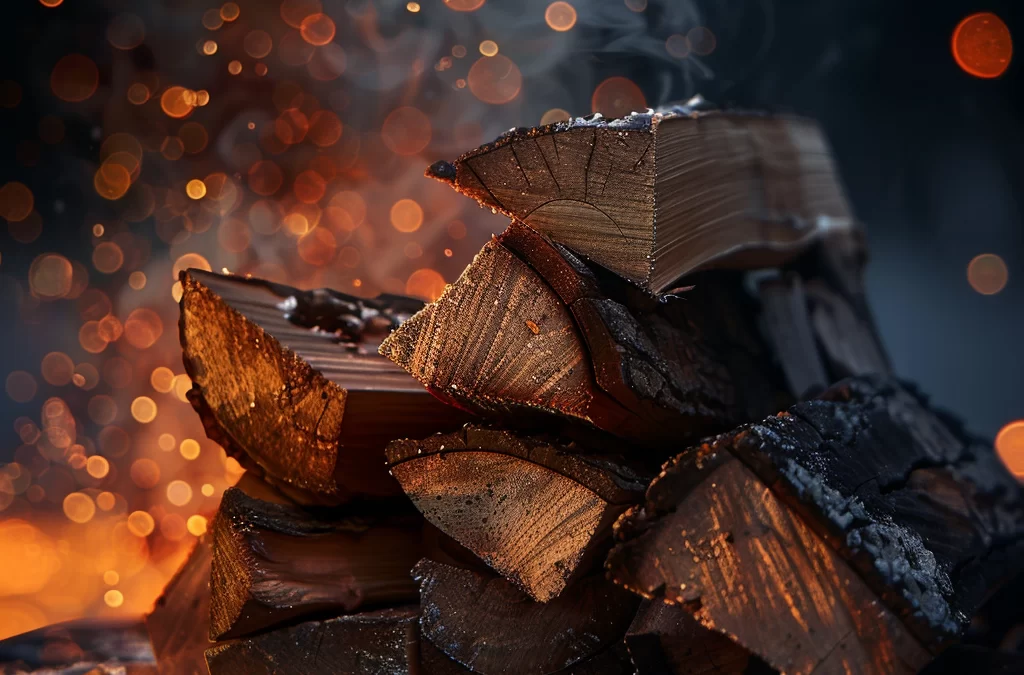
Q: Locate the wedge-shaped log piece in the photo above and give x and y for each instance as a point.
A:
(848, 339)
(484, 623)
(882, 532)
(273, 563)
(716, 540)
(653, 197)
(179, 625)
(787, 326)
(528, 329)
(292, 380)
(531, 510)
(667, 640)
(384, 641)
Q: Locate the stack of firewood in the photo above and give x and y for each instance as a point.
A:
(649, 429)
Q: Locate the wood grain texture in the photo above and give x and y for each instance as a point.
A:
(849, 341)
(529, 328)
(274, 563)
(786, 322)
(309, 410)
(666, 639)
(490, 627)
(747, 566)
(653, 197)
(179, 625)
(384, 642)
(531, 510)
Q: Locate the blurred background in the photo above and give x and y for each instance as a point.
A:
(287, 139)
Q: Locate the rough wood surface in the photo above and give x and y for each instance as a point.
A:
(82, 647)
(653, 197)
(179, 625)
(384, 642)
(786, 322)
(274, 563)
(849, 341)
(529, 329)
(667, 640)
(292, 380)
(531, 510)
(747, 566)
(484, 623)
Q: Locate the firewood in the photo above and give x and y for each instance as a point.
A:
(484, 623)
(655, 196)
(529, 329)
(84, 646)
(667, 640)
(383, 641)
(292, 380)
(273, 563)
(179, 625)
(858, 531)
(531, 510)
(787, 325)
(849, 340)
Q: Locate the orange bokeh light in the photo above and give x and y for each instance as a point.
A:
(16, 201)
(464, 5)
(295, 11)
(425, 283)
(258, 44)
(265, 177)
(982, 45)
(560, 16)
(74, 78)
(406, 215)
(317, 29)
(1010, 447)
(617, 97)
(987, 274)
(406, 131)
(178, 102)
(495, 79)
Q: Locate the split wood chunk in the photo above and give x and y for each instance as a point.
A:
(292, 380)
(786, 321)
(490, 627)
(91, 646)
(385, 641)
(529, 329)
(179, 625)
(653, 197)
(667, 640)
(849, 341)
(882, 531)
(531, 510)
(273, 563)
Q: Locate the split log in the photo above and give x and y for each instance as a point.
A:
(787, 325)
(179, 625)
(384, 641)
(487, 625)
(855, 532)
(274, 563)
(656, 196)
(292, 380)
(667, 640)
(531, 510)
(81, 647)
(529, 329)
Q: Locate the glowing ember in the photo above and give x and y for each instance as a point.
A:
(412, 7)
(617, 97)
(1010, 447)
(982, 45)
(74, 78)
(495, 79)
(560, 16)
(987, 274)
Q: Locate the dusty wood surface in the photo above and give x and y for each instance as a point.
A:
(529, 329)
(179, 625)
(654, 197)
(312, 407)
(274, 563)
(484, 623)
(531, 510)
(667, 640)
(732, 552)
(385, 642)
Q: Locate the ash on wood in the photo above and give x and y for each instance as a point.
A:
(179, 625)
(292, 380)
(892, 530)
(484, 623)
(653, 197)
(273, 563)
(531, 510)
(528, 329)
(385, 641)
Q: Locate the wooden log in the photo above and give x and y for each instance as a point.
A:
(179, 625)
(384, 641)
(487, 625)
(84, 646)
(292, 380)
(274, 563)
(531, 510)
(655, 196)
(786, 321)
(848, 339)
(529, 330)
(892, 530)
(667, 640)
